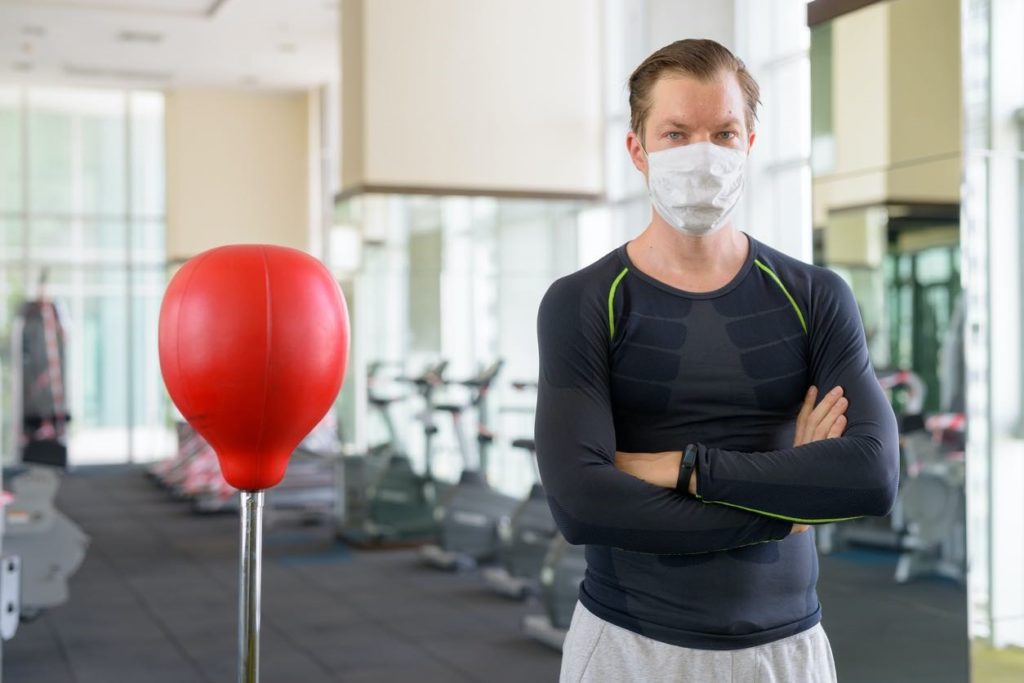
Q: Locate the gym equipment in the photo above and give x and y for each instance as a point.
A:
(564, 568)
(10, 565)
(40, 413)
(526, 537)
(308, 492)
(50, 546)
(253, 343)
(927, 526)
(470, 514)
(400, 503)
(934, 496)
(934, 502)
(908, 395)
(360, 470)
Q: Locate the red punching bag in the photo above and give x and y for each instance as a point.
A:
(253, 349)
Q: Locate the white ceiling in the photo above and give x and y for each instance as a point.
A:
(273, 44)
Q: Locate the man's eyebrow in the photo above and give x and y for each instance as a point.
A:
(679, 123)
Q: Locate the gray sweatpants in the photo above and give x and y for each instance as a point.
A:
(598, 652)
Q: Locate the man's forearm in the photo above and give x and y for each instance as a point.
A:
(660, 469)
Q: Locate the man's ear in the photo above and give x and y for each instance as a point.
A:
(636, 152)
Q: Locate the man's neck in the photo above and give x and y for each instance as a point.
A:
(695, 264)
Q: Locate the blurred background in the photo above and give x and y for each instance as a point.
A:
(448, 160)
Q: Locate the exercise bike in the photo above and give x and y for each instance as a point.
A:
(359, 471)
(472, 511)
(400, 502)
(560, 578)
(526, 537)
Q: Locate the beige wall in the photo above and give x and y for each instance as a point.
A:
(496, 95)
(925, 110)
(237, 169)
(896, 106)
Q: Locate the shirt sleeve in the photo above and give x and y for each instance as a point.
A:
(851, 476)
(592, 501)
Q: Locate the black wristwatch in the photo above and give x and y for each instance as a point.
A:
(686, 467)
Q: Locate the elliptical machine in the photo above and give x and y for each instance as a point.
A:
(400, 502)
(526, 537)
(471, 513)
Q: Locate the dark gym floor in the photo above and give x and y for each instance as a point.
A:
(155, 602)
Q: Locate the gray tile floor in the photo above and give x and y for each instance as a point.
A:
(154, 602)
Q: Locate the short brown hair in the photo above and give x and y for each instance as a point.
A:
(703, 59)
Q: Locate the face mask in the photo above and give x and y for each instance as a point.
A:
(695, 187)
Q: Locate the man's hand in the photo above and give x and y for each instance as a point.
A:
(826, 421)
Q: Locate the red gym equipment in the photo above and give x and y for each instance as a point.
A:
(253, 349)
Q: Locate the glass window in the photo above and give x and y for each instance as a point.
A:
(88, 153)
(11, 144)
(51, 151)
(148, 241)
(103, 163)
(147, 133)
(103, 348)
(149, 403)
(12, 238)
(103, 238)
(51, 239)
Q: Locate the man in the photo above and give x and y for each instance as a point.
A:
(677, 431)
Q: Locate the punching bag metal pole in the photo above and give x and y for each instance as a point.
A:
(253, 349)
(249, 570)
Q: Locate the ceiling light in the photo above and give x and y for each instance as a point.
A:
(140, 37)
(116, 74)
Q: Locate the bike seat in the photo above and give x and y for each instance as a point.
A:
(528, 444)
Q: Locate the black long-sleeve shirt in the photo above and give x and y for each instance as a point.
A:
(632, 364)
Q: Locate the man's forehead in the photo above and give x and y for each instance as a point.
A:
(693, 96)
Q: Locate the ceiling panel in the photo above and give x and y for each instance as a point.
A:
(195, 8)
(272, 44)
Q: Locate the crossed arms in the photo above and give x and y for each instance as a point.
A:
(745, 498)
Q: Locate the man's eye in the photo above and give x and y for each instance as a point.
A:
(726, 135)
(674, 136)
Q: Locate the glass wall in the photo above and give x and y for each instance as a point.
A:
(993, 239)
(457, 279)
(82, 205)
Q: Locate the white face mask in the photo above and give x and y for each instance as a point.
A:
(695, 187)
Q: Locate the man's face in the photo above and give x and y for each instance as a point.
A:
(685, 110)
